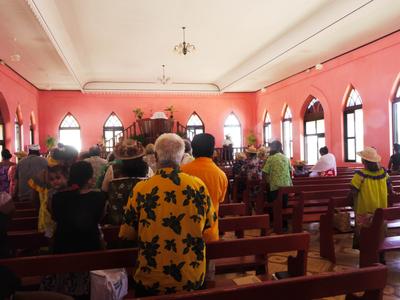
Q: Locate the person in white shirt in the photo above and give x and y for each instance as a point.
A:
(326, 165)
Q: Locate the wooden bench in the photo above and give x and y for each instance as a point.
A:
(326, 227)
(117, 258)
(371, 280)
(372, 240)
(33, 240)
(232, 209)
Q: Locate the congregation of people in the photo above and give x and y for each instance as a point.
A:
(165, 198)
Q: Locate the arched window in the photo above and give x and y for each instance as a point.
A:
(18, 135)
(287, 133)
(112, 129)
(32, 129)
(267, 129)
(396, 117)
(2, 133)
(353, 127)
(194, 126)
(314, 131)
(70, 132)
(233, 128)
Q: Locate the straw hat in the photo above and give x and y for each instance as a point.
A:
(128, 149)
(369, 154)
(251, 149)
(20, 154)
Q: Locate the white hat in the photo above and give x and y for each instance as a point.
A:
(159, 115)
(370, 154)
(34, 147)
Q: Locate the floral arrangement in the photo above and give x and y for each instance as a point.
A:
(171, 110)
(138, 113)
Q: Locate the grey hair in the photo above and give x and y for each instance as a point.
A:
(169, 148)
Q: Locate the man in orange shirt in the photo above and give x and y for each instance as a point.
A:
(214, 178)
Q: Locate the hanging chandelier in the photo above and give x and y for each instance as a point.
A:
(163, 79)
(184, 48)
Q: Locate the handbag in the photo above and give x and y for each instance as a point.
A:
(109, 284)
(341, 221)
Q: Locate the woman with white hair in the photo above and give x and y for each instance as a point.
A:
(168, 214)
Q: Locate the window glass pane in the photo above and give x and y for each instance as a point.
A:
(17, 140)
(235, 134)
(1, 132)
(198, 131)
(71, 137)
(312, 149)
(69, 122)
(359, 124)
(288, 113)
(267, 118)
(354, 98)
(321, 143)
(351, 147)
(287, 137)
(321, 126)
(194, 120)
(397, 121)
(310, 127)
(113, 121)
(232, 120)
(398, 92)
(350, 125)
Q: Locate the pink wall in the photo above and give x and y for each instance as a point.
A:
(16, 91)
(92, 110)
(373, 70)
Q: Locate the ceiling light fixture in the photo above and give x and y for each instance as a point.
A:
(184, 48)
(163, 79)
(319, 67)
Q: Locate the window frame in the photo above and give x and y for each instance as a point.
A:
(18, 146)
(312, 115)
(3, 129)
(267, 127)
(113, 129)
(284, 120)
(194, 128)
(60, 128)
(351, 110)
(395, 117)
(235, 126)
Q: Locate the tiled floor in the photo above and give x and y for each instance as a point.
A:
(346, 258)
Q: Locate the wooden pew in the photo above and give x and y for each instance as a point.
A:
(232, 209)
(33, 240)
(326, 227)
(372, 280)
(117, 258)
(372, 241)
(238, 225)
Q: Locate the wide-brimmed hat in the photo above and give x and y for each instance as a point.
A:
(369, 154)
(128, 149)
(20, 154)
(252, 149)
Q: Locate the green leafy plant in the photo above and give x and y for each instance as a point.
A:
(138, 113)
(251, 139)
(50, 142)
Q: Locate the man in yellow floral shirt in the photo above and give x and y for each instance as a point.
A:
(167, 214)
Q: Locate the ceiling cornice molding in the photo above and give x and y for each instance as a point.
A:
(258, 62)
(35, 10)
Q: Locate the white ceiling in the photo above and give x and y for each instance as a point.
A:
(241, 45)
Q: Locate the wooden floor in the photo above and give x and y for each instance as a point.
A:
(346, 258)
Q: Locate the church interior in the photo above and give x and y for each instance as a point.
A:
(264, 82)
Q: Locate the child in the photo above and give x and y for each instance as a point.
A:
(53, 181)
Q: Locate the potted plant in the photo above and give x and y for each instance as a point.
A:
(251, 139)
(171, 111)
(138, 113)
(50, 142)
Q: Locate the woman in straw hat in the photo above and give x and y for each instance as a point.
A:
(370, 187)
